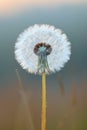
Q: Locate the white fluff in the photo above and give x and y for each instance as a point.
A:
(61, 47)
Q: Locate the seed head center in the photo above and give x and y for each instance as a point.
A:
(42, 50)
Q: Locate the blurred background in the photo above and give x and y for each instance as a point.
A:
(66, 90)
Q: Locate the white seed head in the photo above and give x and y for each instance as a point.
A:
(24, 48)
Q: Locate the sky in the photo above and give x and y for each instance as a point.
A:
(10, 6)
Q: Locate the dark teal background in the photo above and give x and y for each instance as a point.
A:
(66, 101)
(72, 19)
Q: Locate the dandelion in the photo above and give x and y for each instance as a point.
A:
(42, 49)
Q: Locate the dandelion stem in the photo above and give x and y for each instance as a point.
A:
(43, 101)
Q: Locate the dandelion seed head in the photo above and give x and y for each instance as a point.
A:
(42, 48)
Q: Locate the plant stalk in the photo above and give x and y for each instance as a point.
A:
(43, 127)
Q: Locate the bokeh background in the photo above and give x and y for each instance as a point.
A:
(66, 90)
